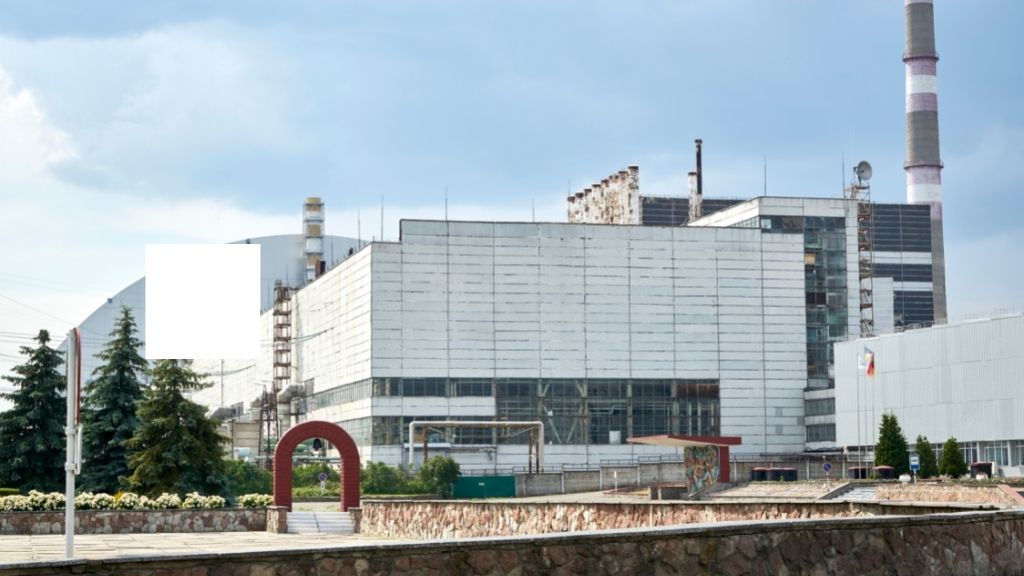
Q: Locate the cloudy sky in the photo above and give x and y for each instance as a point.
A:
(124, 123)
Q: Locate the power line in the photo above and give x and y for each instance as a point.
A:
(36, 310)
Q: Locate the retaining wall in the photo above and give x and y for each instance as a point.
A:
(136, 521)
(421, 520)
(928, 492)
(976, 543)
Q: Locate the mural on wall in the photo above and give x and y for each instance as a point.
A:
(701, 467)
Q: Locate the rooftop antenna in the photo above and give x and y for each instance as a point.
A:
(381, 217)
(765, 175)
(359, 228)
(533, 209)
(445, 203)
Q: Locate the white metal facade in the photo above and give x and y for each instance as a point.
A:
(516, 300)
(961, 380)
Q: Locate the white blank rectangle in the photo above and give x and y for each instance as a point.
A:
(202, 301)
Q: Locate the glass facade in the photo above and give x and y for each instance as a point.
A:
(675, 210)
(905, 228)
(825, 287)
(573, 410)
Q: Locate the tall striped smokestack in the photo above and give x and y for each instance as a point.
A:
(924, 166)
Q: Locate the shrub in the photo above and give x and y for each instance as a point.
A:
(195, 500)
(246, 478)
(309, 474)
(90, 501)
(163, 502)
(127, 501)
(439, 474)
(15, 504)
(952, 461)
(9, 492)
(51, 501)
(255, 500)
(379, 478)
(330, 490)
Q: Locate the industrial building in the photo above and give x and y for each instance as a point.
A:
(956, 380)
(641, 316)
(600, 332)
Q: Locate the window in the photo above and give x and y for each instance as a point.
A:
(820, 407)
(821, 433)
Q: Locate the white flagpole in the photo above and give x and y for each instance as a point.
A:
(71, 431)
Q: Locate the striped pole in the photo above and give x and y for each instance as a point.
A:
(923, 165)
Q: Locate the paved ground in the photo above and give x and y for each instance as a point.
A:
(17, 549)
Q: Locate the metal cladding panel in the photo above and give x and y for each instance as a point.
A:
(675, 211)
(958, 380)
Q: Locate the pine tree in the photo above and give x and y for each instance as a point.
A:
(892, 447)
(952, 462)
(176, 448)
(32, 436)
(108, 412)
(926, 457)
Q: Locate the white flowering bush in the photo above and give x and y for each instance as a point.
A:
(52, 501)
(164, 501)
(255, 500)
(197, 500)
(15, 504)
(90, 501)
(128, 501)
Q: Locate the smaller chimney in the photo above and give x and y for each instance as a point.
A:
(695, 183)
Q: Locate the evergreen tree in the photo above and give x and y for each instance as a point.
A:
(32, 436)
(176, 448)
(926, 456)
(892, 447)
(108, 412)
(952, 462)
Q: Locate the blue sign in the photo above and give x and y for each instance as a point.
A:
(915, 463)
(323, 476)
(827, 467)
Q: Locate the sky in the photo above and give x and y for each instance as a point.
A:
(124, 123)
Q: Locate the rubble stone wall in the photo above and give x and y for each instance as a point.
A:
(468, 519)
(927, 492)
(977, 543)
(136, 521)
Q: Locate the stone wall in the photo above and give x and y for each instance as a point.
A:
(467, 519)
(976, 543)
(136, 521)
(604, 478)
(929, 492)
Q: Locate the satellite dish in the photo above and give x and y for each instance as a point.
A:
(863, 171)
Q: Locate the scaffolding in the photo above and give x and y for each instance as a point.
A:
(270, 423)
(861, 192)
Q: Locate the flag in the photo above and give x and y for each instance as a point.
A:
(869, 361)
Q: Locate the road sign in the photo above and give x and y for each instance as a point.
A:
(323, 476)
(827, 467)
(915, 462)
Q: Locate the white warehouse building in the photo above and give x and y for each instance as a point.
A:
(958, 380)
(602, 332)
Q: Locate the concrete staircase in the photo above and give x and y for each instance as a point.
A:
(320, 523)
(858, 494)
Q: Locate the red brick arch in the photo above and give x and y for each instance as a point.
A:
(316, 429)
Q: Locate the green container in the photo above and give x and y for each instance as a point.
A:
(485, 487)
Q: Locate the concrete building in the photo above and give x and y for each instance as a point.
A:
(600, 332)
(957, 380)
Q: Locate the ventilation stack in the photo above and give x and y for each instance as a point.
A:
(923, 165)
(313, 227)
(696, 185)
